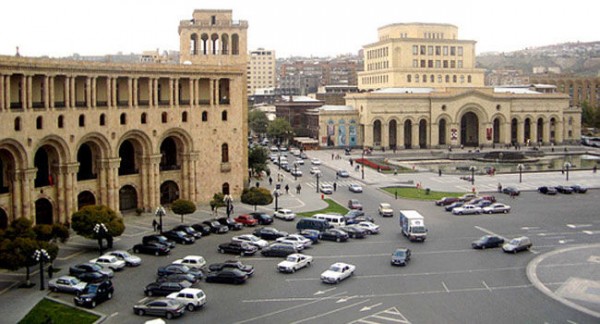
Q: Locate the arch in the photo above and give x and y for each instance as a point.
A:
(423, 133)
(39, 122)
(392, 127)
(127, 198)
(442, 131)
(123, 119)
(408, 134)
(527, 129)
(86, 163)
(205, 116)
(496, 129)
(13, 155)
(214, 44)
(170, 151)
(102, 119)
(169, 192)
(143, 118)
(540, 130)
(514, 130)
(469, 129)
(3, 219)
(82, 120)
(224, 44)
(225, 188)
(204, 44)
(235, 44)
(44, 213)
(224, 153)
(184, 117)
(194, 44)
(182, 139)
(17, 125)
(224, 115)
(85, 198)
(51, 152)
(377, 132)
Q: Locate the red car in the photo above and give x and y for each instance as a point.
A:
(246, 220)
(354, 204)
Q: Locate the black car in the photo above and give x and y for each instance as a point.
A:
(95, 293)
(579, 188)
(216, 227)
(178, 277)
(355, 232)
(227, 275)
(487, 241)
(158, 239)
(241, 248)
(334, 234)
(269, 233)
(165, 288)
(92, 277)
(564, 189)
(278, 250)
(401, 256)
(202, 228)
(179, 269)
(81, 268)
(233, 264)
(179, 237)
(454, 205)
(512, 191)
(164, 307)
(189, 230)
(233, 225)
(262, 218)
(546, 190)
(151, 248)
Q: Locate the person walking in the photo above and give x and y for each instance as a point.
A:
(270, 181)
(334, 186)
(154, 224)
(298, 188)
(287, 189)
(499, 187)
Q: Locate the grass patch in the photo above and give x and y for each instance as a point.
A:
(47, 311)
(332, 207)
(414, 193)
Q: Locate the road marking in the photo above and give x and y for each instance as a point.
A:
(388, 315)
(591, 232)
(529, 228)
(366, 308)
(72, 255)
(486, 286)
(345, 299)
(489, 232)
(579, 225)
(320, 292)
(594, 259)
(331, 312)
(445, 287)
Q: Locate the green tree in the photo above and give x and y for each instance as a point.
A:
(183, 207)
(258, 121)
(590, 117)
(257, 159)
(217, 201)
(84, 221)
(257, 196)
(280, 129)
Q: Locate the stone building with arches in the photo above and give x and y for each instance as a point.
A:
(420, 89)
(129, 136)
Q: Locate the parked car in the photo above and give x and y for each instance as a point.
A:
(356, 188)
(296, 172)
(467, 197)
(94, 294)
(315, 161)
(241, 248)
(299, 161)
(467, 209)
(355, 216)
(326, 188)
(202, 228)
(230, 223)
(92, 277)
(89, 267)
(354, 204)
(453, 205)
(165, 288)
(487, 241)
(385, 210)
(446, 201)
(278, 250)
(175, 268)
(227, 275)
(315, 170)
(232, 264)
(512, 191)
(189, 230)
(496, 208)
(159, 239)
(164, 307)
(547, 190)
(269, 233)
(262, 218)
(179, 237)
(342, 173)
(109, 261)
(294, 262)
(246, 220)
(311, 234)
(354, 231)
(334, 234)
(296, 238)
(579, 188)
(130, 259)
(370, 227)
(251, 239)
(303, 155)
(564, 189)
(216, 227)
(193, 298)
(337, 272)
(192, 261)
(151, 248)
(484, 203)
(517, 244)
(285, 214)
(178, 277)
(401, 256)
(67, 284)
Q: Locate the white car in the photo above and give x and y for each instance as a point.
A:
(296, 238)
(496, 208)
(192, 298)
(109, 261)
(315, 161)
(285, 214)
(385, 210)
(296, 172)
(467, 210)
(355, 188)
(296, 245)
(192, 261)
(371, 228)
(337, 272)
(299, 161)
(293, 262)
(130, 259)
(315, 170)
(251, 239)
(326, 188)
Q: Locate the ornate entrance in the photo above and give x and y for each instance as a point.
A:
(169, 192)
(127, 198)
(469, 129)
(43, 212)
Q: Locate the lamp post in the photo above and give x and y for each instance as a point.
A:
(278, 157)
(41, 256)
(520, 167)
(363, 164)
(295, 171)
(567, 167)
(160, 212)
(100, 230)
(317, 175)
(472, 169)
(227, 199)
(276, 194)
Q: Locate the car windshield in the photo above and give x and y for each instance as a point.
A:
(418, 229)
(514, 242)
(91, 289)
(124, 254)
(252, 238)
(336, 268)
(399, 253)
(292, 258)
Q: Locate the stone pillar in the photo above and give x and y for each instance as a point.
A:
(113, 183)
(27, 187)
(153, 169)
(171, 101)
(46, 88)
(400, 135)
(434, 135)
(194, 193)
(7, 92)
(520, 132)
(559, 131)
(51, 98)
(192, 92)
(505, 132)
(176, 90)
(546, 132)
(103, 170)
(129, 92)
(135, 92)
(155, 92)
(415, 136)
(385, 135)
(214, 91)
(2, 91)
(17, 190)
(72, 93)
(88, 92)
(113, 96)
(368, 135)
(26, 94)
(534, 134)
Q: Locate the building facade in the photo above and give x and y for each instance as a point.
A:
(129, 136)
(579, 89)
(261, 70)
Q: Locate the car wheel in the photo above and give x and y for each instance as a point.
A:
(293, 270)
(156, 253)
(53, 289)
(506, 211)
(221, 251)
(483, 247)
(191, 307)
(109, 296)
(337, 280)
(338, 239)
(136, 251)
(93, 305)
(169, 315)
(515, 251)
(149, 293)
(140, 312)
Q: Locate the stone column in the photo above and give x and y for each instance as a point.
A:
(135, 92)
(46, 92)
(72, 93)
(7, 92)
(434, 135)
(192, 92)
(17, 190)
(520, 132)
(155, 92)
(27, 187)
(559, 131)
(113, 183)
(171, 101)
(129, 92)
(88, 92)
(546, 132)
(368, 135)
(400, 136)
(176, 90)
(113, 97)
(2, 91)
(194, 190)
(506, 132)
(385, 135)
(103, 170)
(534, 134)
(66, 180)
(26, 93)
(415, 136)
(153, 168)
(51, 98)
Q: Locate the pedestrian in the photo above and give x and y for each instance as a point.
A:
(270, 181)
(50, 271)
(440, 172)
(287, 189)
(337, 176)
(595, 169)
(563, 171)
(332, 155)
(154, 224)
(334, 186)
(298, 188)
(396, 194)
(499, 187)
(351, 162)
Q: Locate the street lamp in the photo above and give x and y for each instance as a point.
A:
(101, 231)
(472, 169)
(41, 256)
(520, 167)
(160, 212)
(317, 175)
(276, 193)
(227, 199)
(567, 167)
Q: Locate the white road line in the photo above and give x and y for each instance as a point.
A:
(330, 312)
(335, 296)
(445, 287)
(486, 286)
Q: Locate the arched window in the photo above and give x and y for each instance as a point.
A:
(224, 115)
(18, 124)
(163, 117)
(416, 78)
(61, 121)
(454, 78)
(123, 119)
(102, 119)
(468, 79)
(439, 78)
(39, 122)
(432, 78)
(424, 78)
(184, 117)
(194, 44)
(447, 79)
(144, 118)
(204, 116)
(224, 153)
(409, 78)
(226, 188)
(462, 79)
(81, 120)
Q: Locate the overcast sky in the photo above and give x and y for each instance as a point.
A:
(304, 27)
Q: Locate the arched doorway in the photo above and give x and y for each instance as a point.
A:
(7, 168)
(392, 135)
(127, 155)
(127, 198)
(377, 133)
(469, 129)
(169, 192)
(86, 163)
(43, 176)
(514, 130)
(225, 188)
(85, 198)
(442, 132)
(3, 219)
(423, 133)
(408, 134)
(540, 130)
(43, 212)
(527, 131)
(496, 130)
(168, 150)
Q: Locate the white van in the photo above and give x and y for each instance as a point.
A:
(333, 219)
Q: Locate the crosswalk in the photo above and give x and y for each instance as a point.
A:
(340, 183)
(390, 315)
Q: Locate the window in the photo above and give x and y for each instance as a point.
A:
(452, 64)
(123, 119)
(454, 78)
(452, 51)
(459, 64)
(18, 124)
(429, 50)
(438, 50)
(408, 78)
(439, 78)
(61, 121)
(424, 78)
(468, 79)
(423, 63)
(460, 51)
(416, 78)
(430, 63)
(438, 64)
(224, 115)
(204, 116)
(447, 79)
(81, 120)
(102, 119)
(423, 50)
(224, 153)
(462, 79)
(143, 118)
(184, 117)
(445, 50)
(432, 78)
(39, 122)
(445, 64)
(415, 63)
(164, 117)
